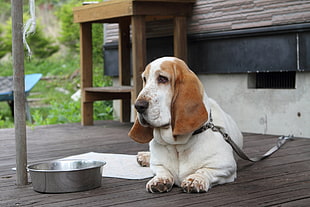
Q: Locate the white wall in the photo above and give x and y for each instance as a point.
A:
(264, 111)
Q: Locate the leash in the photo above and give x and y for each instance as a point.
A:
(281, 141)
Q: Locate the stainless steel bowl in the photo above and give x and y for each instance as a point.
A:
(63, 176)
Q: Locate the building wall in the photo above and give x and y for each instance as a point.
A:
(266, 111)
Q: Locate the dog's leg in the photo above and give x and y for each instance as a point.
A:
(143, 158)
(162, 182)
(204, 178)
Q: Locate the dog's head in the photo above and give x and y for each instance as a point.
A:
(172, 95)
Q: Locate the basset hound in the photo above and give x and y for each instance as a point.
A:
(172, 107)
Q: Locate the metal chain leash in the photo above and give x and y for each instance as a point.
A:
(281, 141)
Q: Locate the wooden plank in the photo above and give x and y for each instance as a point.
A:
(124, 66)
(90, 97)
(112, 11)
(102, 11)
(162, 9)
(124, 52)
(86, 71)
(180, 37)
(176, 1)
(113, 89)
(138, 52)
(281, 180)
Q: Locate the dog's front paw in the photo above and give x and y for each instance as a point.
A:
(160, 184)
(195, 183)
(143, 158)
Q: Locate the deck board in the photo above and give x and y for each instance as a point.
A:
(281, 180)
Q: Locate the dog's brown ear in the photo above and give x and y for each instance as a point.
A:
(140, 133)
(188, 110)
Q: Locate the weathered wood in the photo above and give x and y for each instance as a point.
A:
(107, 93)
(124, 66)
(138, 52)
(19, 92)
(162, 8)
(86, 70)
(112, 89)
(281, 180)
(180, 37)
(111, 11)
(124, 52)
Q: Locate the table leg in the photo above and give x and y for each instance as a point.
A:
(124, 66)
(138, 52)
(86, 71)
(180, 37)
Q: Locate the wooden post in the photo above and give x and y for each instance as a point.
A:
(180, 37)
(19, 92)
(138, 51)
(86, 63)
(124, 66)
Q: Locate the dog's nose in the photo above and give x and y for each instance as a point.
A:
(141, 105)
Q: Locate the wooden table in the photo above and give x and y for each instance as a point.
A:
(126, 12)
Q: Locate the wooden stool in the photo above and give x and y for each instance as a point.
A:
(126, 12)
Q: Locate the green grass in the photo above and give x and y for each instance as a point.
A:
(54, 106)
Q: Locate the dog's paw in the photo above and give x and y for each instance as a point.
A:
(143, 158)
(195, 183)
(160, 184)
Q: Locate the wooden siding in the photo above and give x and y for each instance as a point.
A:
(216, 15)
(222, 15)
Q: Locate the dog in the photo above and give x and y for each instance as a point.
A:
(171, 109)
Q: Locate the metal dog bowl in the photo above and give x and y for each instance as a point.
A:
(63, 176)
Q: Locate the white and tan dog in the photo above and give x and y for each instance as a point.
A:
(171, 107)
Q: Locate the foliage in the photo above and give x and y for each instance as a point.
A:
(6, 119)
(70, 31)
(4, 47)
(5, 6)
(58, 113)
(40, 45)
(55, 106)
(69, 112)
(69, 35)
(61, 70)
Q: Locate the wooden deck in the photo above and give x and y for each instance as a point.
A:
(281, 180)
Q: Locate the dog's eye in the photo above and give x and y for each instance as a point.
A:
(144, 79)
(162, 79)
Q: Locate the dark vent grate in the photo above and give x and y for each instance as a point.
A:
(275, 80)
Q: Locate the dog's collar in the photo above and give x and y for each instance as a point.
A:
(205, 127)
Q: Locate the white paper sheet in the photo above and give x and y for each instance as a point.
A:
(118, 165)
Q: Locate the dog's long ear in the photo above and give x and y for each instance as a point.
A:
(140, 133)
(188, 110)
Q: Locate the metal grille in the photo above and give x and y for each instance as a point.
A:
(276, 80)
